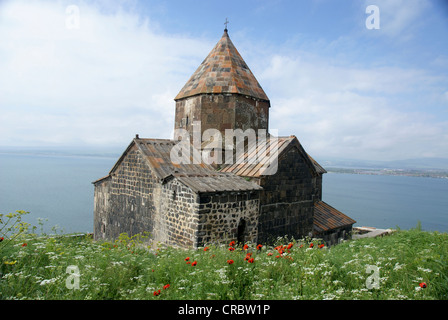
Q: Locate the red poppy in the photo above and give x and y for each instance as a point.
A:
(1, 239)
(188, 262)
(311, 245)
(156, 293)
(194, 263)
(423, 285)
(251, 260)
(187, 258)
(232, 243)
(270, 253)
(290, 245)
(277, 256)
(245, 247)
(231, 248)
(166, 286)
(321, 246)
(206, 248)
(230, 261)
(25, 244)
(259, 247)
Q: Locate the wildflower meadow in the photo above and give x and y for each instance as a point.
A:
(407, 265)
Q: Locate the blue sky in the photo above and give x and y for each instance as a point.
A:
(344, 90)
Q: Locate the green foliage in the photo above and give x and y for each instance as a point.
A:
(291, 269)
(12, 227)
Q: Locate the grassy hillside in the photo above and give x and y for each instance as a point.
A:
(410, 264)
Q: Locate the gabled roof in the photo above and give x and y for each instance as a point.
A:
(158, 153)
(199, 177)
(265, 155)
(223, 71)
(327, 218)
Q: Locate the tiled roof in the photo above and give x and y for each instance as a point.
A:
(265, 157)
(327, 218)
(223, 71)
(200, 177)
(216, 182)
(158, 153)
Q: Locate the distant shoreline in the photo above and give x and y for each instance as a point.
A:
(423, 173)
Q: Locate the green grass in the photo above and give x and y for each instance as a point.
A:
(127, 270)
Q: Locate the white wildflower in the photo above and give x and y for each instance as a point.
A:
(48, 281)
(329, 296)
(398, 266)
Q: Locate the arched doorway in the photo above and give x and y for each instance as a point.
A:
(241, 231)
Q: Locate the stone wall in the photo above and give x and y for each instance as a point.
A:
(101, 207)
(128, 200)
(228, 216)
(287, 202)
(317, 184)
(177, 223)
(334, 236)
(221, 112)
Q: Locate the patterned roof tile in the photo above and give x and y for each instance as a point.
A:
(223, 71)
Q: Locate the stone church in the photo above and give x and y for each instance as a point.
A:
(192, 204)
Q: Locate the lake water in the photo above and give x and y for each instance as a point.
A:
(59, 188)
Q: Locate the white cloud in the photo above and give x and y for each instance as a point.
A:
(350, 112)
(102, 83)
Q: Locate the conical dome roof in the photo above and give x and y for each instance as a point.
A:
(223, 71)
